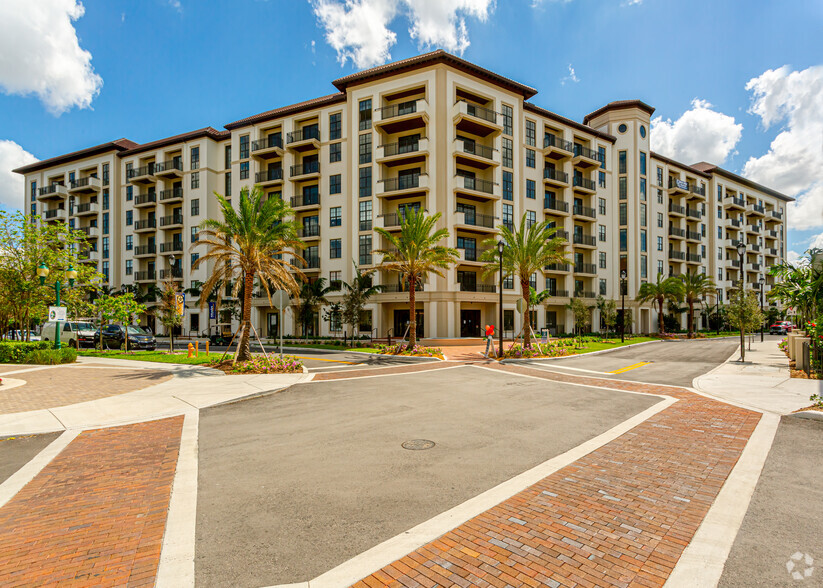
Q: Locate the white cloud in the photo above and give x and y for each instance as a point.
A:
(572, 77)
(11, 184)
(700, 134)
(359, 30)
(793, 257)
(176, 5)
(795, 158)
(40, 54)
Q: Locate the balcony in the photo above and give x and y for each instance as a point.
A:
(561, 234)
(171, 221)
(141, 175)
(770, 234)
(141, 251)
(304, 171)
(693, 213)
(555, 177)
(584, 212)
(89, 185)
(585, 268)
(563, 268)
(55, 214)
(753, 247)
(145, 200)
(474, 221)
(89, 232)
(171, 247)
(307, 139)
(269, 177)
(312, 263)
(172, 196)
(735, 263)
(558, 293)
(693, 236)
(146, 225)
(676, 233)
(268, 147)
(87, 209)
(310, 232)
(476, 154)
(403, 185)
(731, 243)
(733, 202)
(305, 202)
(755, 210)
(754, 229)
(471, 256)
(170, 169)
(584, 294)
(676, 210)
(175, 273)
(582, 240)
(397, 153)
(678, 187)
(475, 287)
(556, 148)
(475, 119)
(584, 185)
(697, 192)
(482, 189)
(693, 258)
(771, 252)
(734, 223)
(398, 288)
(390, 220)
(403, 116)
(585, 157)
(776, 215)
(753, 267)
(554, 206)
(53, 192)
(676, 255)
(144, 276)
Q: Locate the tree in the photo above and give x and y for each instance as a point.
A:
(664, 290)
(250, 242)
(167, 309)
(580, 313)
(312, 296)
(529, 248)
(608, 312)
(333, 314)
(120, 308)
(744, 313)
(414, 254)
(695, 288)
(357, 294)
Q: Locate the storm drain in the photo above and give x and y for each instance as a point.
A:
(417, 444)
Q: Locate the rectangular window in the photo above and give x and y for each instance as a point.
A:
(508, 120)
(660, 243)
(659, 266)
(195, 157)
(195, 206)
(508, 215)
(623, 188)
(105, 247)
(105, 271)
(601, 232)
(129, 267)
(644, 267)
(660, 196)
(33, 191)
(365, 115)
(365, 148)
(643, 189)
(530, 158)
(659, 176)
(601, 179)
(602, 259)
(508, 284)
(507, 153)
(621, 162)
(105, 223)
(624, 214)
(336, 248)
(624, 240)
(365, 182)
(601, 206)
(720, 253)
(244, 147)
(228, 185)
(643, 241)
(129, 217)
(335, 184)
(660, 219)
(365, 250)
(106, 174)
(129, 242)
(602, 287)
(335, 152)
(195, 180)
(335, 126)
(642, 163)
(365, 215)
(194, 258)
(531, 218)
(531, 192)
(508, 185)
(531, 133)
(642, 215)
(335, 216)
(106, 199)
(194, 231)
(601, 155)
(227, 157)
(244, 170)
(720, 193)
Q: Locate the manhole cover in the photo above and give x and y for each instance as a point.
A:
(418, 444)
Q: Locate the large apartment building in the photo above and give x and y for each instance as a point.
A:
(433, 133)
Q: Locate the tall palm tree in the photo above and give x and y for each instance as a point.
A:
(529, 248)
(358, 292)
(312, 296)
(664, 290)
(250, 242)
(414, 254)
(696, 287)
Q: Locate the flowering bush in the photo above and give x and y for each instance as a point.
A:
(553, 349)
(404, 349)
(258, 364)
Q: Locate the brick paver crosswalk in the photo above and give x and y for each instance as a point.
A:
(96, 514)
(620, 516)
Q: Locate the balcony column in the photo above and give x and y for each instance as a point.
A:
(453, 319)
(430, 318)
(568, 321)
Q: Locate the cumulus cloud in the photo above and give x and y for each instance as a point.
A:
(40, 54)
(794, 258)
(12, 156)
(700, 134)
(359, 30)
(795, 157)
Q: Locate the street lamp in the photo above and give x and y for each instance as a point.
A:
(717, 310)
(762, 282)
(623, 281)
(43, 272)
(500, 247)
(741, 251)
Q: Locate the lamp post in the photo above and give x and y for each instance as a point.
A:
(717, 310)
(171, 278)
(500, 247)
(741, 251)
(762, 282)
(623, 281)
(43, 272)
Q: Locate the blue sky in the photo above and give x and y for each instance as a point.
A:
(169, 66)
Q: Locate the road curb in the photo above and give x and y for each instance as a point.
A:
(811, 415)
(412, 357)
(536, 359)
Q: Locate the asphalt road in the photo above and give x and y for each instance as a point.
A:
(293, 484)
(18, 451)
(320, 360)
(675, 362)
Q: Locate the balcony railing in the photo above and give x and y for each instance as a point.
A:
(771, 234)
(776, 214)
(758, 208)
(145, 249)
(558, 267)
(695, 257)
(693, 213)
(555, 141)
(753, 228)
(147, 223)
(754, 247)
(171, 247)
(738, 201)
(481, 112)
(477, 184)
(580, 239)
(585, 268)
(771, 251)
(561, 234)
(144, 276)
(558, 293)
(145, 198)
(477, 149)
(172, 219)
(675, 232)
(267, 143)
(396, 288)
(172, 194)
(580, 151)
(269, 175)
(584, 211)
(754, 267)
(554, 204)
(473, 254)
(735, 263)
(312, 261)
(85, 207)
(144, 170)
(89, 181)
(674, 208)
(675, 254)
(305, 200)
(301, 169)
(172, 164)
(551, 173)
(398, 148)
(699, 190)
(174, 273)
(476, 219)
(57, 189)
(54, 212)
(395, 110)
(584, 294)
(303, 135)
(401, 183)
(735, 223)
(311, 230)
(474, 287)
(692, 235)
(585, 183)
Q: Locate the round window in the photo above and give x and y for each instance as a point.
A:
(622, 128)
(642, 131)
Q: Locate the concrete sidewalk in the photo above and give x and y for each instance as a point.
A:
(763, 382)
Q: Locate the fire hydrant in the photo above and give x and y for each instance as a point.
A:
(191, 350)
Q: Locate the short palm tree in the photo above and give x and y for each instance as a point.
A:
(250, 242)
(664, 290)
(529, 248)
(358, 292)
(695, 288)
(414, 253)
(312, 296)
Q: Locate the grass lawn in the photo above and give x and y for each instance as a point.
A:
(158, 356)
(600, 346)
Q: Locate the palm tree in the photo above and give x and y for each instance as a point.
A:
(358, 292)
(669, 289)
(414, 254)
(312, 296)
(529, 248)
(249, 243)
(696, 287)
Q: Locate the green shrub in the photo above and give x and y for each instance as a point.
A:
(51, 356)
(16, 351)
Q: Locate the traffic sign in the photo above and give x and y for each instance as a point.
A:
(57, 313)
(180, 303)
(212, 310)
(280, 299)
(520, 305)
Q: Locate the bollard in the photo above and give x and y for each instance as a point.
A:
(191, 350)
(197, 348)
(207, 347)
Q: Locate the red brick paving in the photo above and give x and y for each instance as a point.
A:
(96, 514)
(620, 516)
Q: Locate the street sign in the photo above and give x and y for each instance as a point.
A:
(280, 299)
(57, 313)
(520, 305)
(212, 310)
(180, 303)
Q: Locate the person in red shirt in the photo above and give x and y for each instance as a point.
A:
(489, 339)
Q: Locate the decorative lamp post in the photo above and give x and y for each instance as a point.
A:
(762, 282)
(500, 247)
(741, 251)
(623, 283)
(43, 272)
(717, 311)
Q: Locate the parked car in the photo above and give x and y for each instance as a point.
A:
(114, 337)
(74, 334)
(17, 335)
(781, 328)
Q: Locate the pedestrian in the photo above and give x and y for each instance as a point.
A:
(489, 339)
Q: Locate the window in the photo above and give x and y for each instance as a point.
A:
(531, 218)
(105, 247)
(624, 240)
(602, 287)
(660, 196)
(34, 214)
(129, 267)
(720, 253)
(335, 248)
(720, 193)
(533, 281)
(624, 214)
(106, 199)
(227, 156)
(244, 170)
(508, 120)
(642, 215)
(195, 157)
(105, 223)
(335, 216)
(659, 176)
(228, 185)
(195, 180)
(642, 163)
(530, 189)
(129, 217)
(601, 179)
(365, 215)
(335, 126)
(508, 185)
(507, 153)
(335, 152)
(365, 250)
(643, 241)
(365, 182)
(623, 188)
(643, 189)
(365, 115)
(508, 284)
(601, 232)
(660, 243)
(194, 258)
(194, 231)
(244, 147)
(335, 184)
(601, 206)
(105, 271)
(34, 191)
(644, 267)
(365, 148)
(659, 266)
(531, 133)
(106, 174)
(508, 215)
(601, 155)
(530, 158)
(720, 212)
(195, 206)
(622, 128)
(660, 219)
(621, 162)
(129, 242)
(602, 259)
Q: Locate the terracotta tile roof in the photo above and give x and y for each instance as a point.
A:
(710, 168)
(287, 110)
(209, 132)
(118, 145)
(567, 121)
(432, 58)
(692, 168)
(616, 105)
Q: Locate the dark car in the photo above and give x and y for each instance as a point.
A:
(114, 337)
